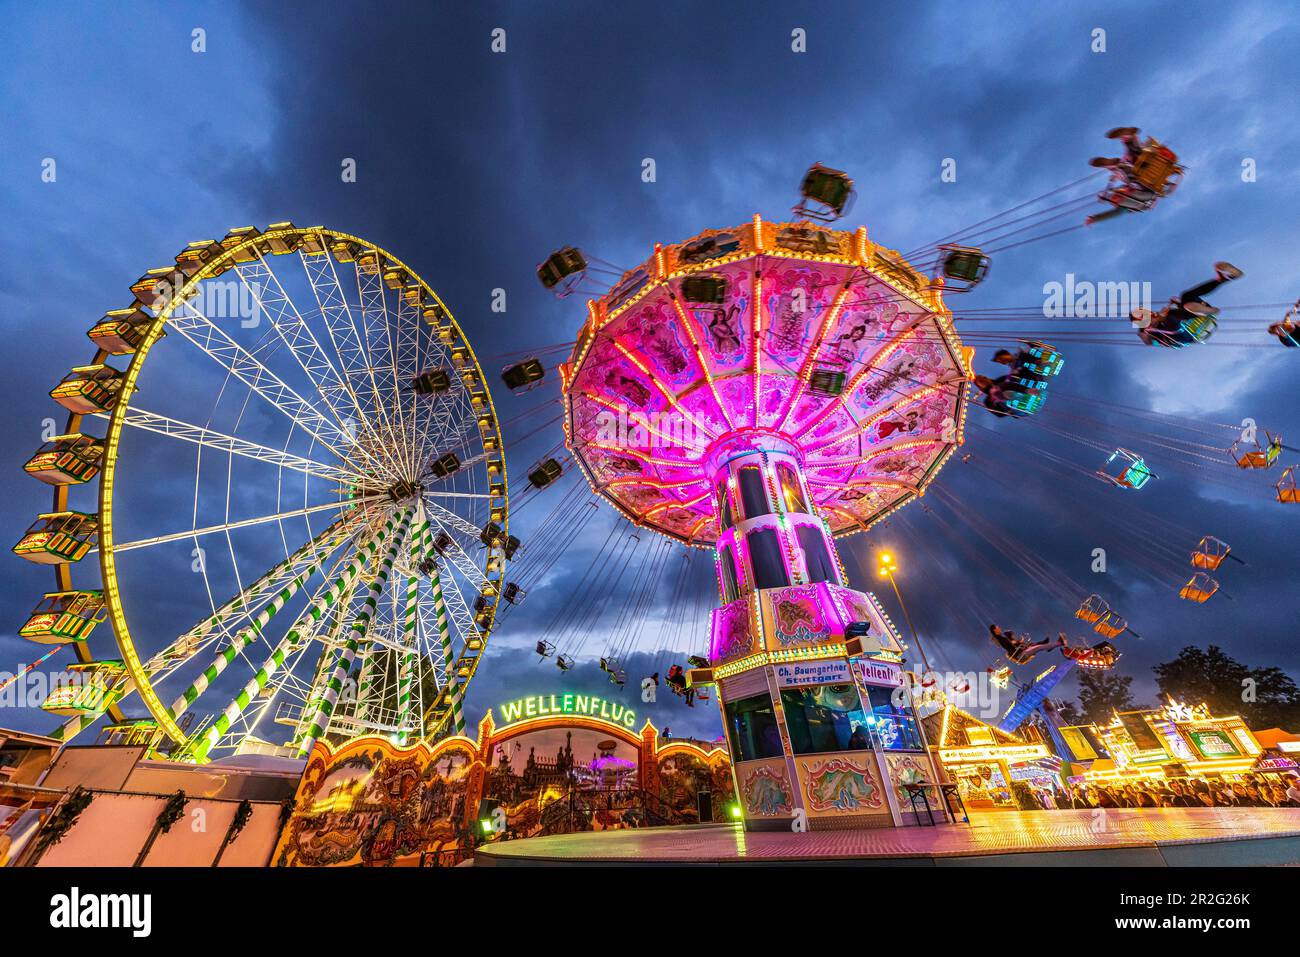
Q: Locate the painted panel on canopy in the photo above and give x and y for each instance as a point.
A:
(846, 508)
(872, 318)
(797, 297)
(724, 330)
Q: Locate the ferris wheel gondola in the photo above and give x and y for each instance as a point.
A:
(312, 376)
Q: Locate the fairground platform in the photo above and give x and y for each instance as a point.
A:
(1169, 837)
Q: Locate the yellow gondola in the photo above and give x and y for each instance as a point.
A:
(88, 389)
(1199, 588)
(88, 695)
(288, 243)
(156, 284)
(197, 255)
(64, 616)
(121, 331)
(236, 239)
(67, 459)
(58, 537)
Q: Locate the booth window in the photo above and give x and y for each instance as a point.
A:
(753, 497)
(825, 718)
(816, 555)
(751, 725)
(729, 574)
(894, 727)
(790, 490)
(725, 521)
(765, 559)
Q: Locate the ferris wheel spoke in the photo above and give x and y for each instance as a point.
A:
(320, 721)
(300, 633)
(341, 327)
(446, 517)
(224, 619)
(242, 523)
(451, 688)
(162, 666)
(269, 296)
(209, 338)
(407, 359)
(436, 622)
(407, 661)
(220, 442)
(380, 353)
(248, 635)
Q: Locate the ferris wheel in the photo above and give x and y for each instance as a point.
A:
(284, 459)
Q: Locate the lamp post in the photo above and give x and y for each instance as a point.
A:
(888, 569)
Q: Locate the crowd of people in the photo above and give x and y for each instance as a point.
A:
(1253, 790)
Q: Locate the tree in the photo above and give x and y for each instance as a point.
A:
(1264, 697)
(1209, 676)
(1276, 700)
(1101, 693)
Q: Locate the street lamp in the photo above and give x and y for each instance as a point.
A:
(888, 569)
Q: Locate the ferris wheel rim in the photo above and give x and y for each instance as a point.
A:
(116, 613)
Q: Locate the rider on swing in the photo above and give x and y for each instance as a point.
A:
(1163, 327)
(676, 679)
(1021, 650)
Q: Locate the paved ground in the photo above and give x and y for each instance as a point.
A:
(1165, 837)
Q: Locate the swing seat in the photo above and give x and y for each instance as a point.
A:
(827, 382)
(1092, 608)
(705, 289)
(1287, 493)
(544, 473)
(522, 376)
(1041, 360)
(1110, 625)
(1025, 402)
(827, 190)
(964, 267)
(1210, 553)
(563, 271)
(1191, 331)
(431, 382)
(1199, 588)
(1135, 199)
(1260, 457)
(1156, 169)
(1100, 657)
(1125, 469)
